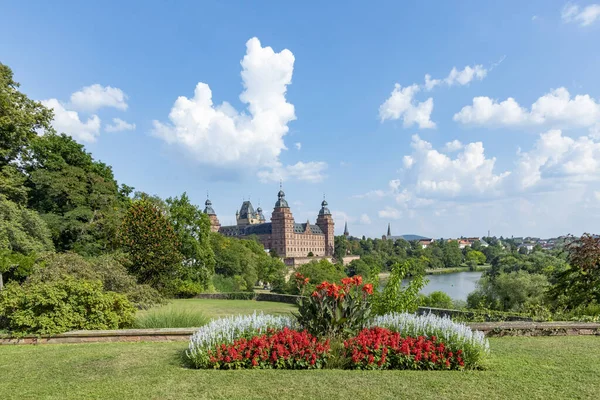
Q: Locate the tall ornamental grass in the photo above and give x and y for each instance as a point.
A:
(229, 329)
(456, 336)
(170, 319)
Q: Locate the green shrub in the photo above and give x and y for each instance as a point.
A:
(395, 297)
(437, 299)
(226, 284)
(110, 269)
(62, 305)
(170, 319)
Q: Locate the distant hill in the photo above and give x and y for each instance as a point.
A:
(413, 237)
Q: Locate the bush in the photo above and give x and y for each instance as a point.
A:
(455, 336)
(226, 284)
(170, 319)
(380, 348)
(62, 305)
(335, 310)
(285, 349)
(436, 299)
(228, 330)
(110, 269)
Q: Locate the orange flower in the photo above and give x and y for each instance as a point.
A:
(368, 288)
(357, 280)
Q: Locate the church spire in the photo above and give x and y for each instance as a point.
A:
(346, 233)
(389, 232)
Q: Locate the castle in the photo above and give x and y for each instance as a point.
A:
(282, 235)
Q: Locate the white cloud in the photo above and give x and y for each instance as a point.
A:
(556, 107)
(458, 77)
(364, 219)
(69, 122)
(94, 97)
(390, 213)
(584, 17)
(401, 104)
(453, 146)
(555, 159)
(312, 172)
(119, 125)
(220, 136)
(298, 145)
(436, 174)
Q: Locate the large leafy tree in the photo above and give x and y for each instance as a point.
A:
(192, 228)
(152, 244)
(76, 195)
(20, 118)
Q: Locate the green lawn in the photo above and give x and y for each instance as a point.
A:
(219, 308)
(520, 368)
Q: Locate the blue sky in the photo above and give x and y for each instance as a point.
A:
(507, 142)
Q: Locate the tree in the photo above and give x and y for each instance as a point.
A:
(150, 241)
(452, 254)
(23, 234)
(340, 247)
(20, 118)
(579, 284)
(77, 196)
(515, 291)
(192, 227)
(476, 257)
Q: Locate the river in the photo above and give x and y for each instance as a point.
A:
(457, 285)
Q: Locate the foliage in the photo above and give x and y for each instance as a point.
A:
(152, 245)
(284, 349)
(15, 266)
(579, 285)
(395, 297)
(228, 330)
(476, 257)
(227, 284)
(334, 310)
(109, 269)
(170, 318)
(77, 196)
(20, 118)
(380, 348)
(22, 230)
(63, 305)
(316, 271)
(437, 299)
(455, 336)
(516, 291)
(452, 255)
(192, 228)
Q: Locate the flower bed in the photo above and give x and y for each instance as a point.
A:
(286, 349)
(380, 348)
(455, 336)
(228, 330)
(337, 312)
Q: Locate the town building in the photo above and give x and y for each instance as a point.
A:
(283, 235)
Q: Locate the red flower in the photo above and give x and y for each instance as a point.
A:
(368, 288)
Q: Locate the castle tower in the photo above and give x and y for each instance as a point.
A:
(282, 227)
(212, 216)
(325, 222)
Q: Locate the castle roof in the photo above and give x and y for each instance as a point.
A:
(281, 202)
(324, 210)
(264, 229)
(208, 208)
(247, 210)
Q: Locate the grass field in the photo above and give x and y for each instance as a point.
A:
(219, 308)
(519, 368)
